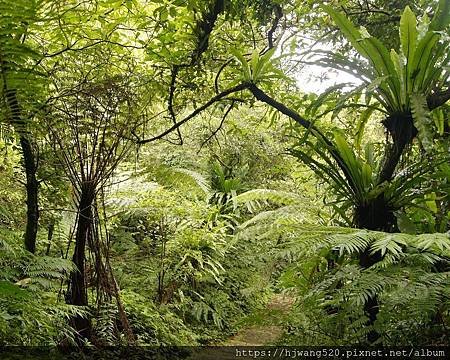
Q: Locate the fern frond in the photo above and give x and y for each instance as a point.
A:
(391, 243)
(353, 242)
(437, 242)
(201, 181)
(257, 198)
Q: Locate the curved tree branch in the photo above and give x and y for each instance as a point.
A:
(262, 96)
(278, 15)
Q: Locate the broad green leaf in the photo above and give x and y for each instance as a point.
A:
(432, 75)
(439, 120)
(399, 65)
(408, 33)
(405, 224)
(381, 61)
(431, 202)
(369, 154)
(363, 119)
(264, 62)
(350, 160)
(254, 64)
(349, 30)
(366, 171)
(421, 60)
(244, 64)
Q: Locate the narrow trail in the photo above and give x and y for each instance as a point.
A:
(260, 328)
(264, 327)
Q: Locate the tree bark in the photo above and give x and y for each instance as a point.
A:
(374, 216)
(51, 229)
(402, 130)
(77, 293)
(378, 217)
(30, 167)
(32, 186)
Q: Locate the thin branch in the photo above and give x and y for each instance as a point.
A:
(438, 99)
(197, 111)
(172, 89)
(220, 125)
(216, 79)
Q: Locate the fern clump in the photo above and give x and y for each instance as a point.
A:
(31, 312)
(411, 280)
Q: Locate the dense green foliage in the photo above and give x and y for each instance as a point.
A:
(163, 177)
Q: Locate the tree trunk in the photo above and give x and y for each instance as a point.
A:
(77, 293)
(32, 186)
(377, 215)
(30, 167)
(402, 130)
(373, 216)
(51, 229)
(371, 307)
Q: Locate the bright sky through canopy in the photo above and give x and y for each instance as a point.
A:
(316, 79)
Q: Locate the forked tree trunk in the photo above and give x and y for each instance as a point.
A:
(77, 294)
